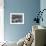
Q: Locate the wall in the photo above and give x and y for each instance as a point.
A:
(29, 8)
(1, 21)
(43, 6)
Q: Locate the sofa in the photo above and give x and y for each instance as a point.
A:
(39, 33)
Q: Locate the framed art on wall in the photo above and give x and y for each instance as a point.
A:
(16, 18)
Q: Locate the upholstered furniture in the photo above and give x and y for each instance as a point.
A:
(39, 35)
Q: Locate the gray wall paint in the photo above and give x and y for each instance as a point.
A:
(29, 8)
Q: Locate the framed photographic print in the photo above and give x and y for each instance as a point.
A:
(16, 18)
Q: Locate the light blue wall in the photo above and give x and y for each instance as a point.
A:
(29, 8)
(43, 6)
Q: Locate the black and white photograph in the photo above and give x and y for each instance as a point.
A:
(16, 18)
